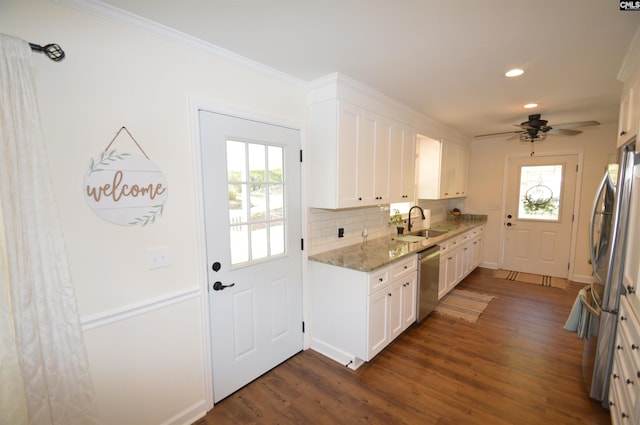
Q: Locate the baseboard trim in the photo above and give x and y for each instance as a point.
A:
(189, 415)
(131, 310)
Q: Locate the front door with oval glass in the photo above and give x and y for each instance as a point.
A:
(539, 214)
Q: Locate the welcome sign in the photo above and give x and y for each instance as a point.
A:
(125, 188)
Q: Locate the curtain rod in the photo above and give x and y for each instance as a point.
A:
(53, 51)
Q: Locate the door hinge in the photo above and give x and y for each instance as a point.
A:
(303, 326)
(301, 244)
(300, 155)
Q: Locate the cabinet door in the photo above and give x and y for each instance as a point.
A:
(349, 143)
(378, 332)
(455, 162)
(381, 164)
(631, 275)
(402, 163)
(396, 321)
(453, 269)
(396, 165)
(442, 277)
(409, 301)
(629, 110)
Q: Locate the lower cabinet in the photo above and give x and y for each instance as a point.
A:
(459, 256)
(356, 314)
(624, 387)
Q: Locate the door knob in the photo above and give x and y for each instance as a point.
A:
(218, 286)
(509, 224)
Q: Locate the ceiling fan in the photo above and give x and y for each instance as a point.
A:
(536, 129)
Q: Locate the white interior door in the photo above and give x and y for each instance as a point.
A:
(251, 174)
(539, 214)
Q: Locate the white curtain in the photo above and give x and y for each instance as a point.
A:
(44, 371)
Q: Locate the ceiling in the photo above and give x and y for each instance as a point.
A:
(444, 58)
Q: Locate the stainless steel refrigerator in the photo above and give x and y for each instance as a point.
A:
(607, 239)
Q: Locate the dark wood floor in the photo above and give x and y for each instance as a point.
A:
(515, 365)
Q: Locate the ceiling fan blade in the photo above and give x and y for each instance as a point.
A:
(564, 131)
(498, 134)
(576, 124)
(515, 136)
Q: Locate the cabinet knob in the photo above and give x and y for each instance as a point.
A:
(389, 294)
(380, 279)
(631, 289)
(615, 376)
(623, 132)
(622, 318)
(634, 347)
(629, 381)
(619, 347)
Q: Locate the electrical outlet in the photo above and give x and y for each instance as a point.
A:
(157, 257)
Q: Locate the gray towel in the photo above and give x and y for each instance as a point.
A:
(578, 317)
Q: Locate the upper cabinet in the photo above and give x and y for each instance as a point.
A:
(442, 169)
(629, 110)
(359, 156)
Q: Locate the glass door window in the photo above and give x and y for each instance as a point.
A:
(256, 189)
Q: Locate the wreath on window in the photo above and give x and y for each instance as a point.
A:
(539, 198)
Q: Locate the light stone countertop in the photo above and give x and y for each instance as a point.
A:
(382, 251)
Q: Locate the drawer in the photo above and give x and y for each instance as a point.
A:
(378, 280)
(404, 266)
(619, 395)
(629, 326)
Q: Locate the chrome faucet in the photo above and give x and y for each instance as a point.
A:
(409, 225)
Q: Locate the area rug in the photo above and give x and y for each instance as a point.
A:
(462, 304)
(536, 279)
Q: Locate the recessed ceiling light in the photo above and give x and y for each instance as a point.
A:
(531, 105)
(514, 72)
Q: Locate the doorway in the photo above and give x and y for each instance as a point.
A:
(539, 214)
(252, 214)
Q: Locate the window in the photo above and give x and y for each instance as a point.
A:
(256, 188)
(540, 191)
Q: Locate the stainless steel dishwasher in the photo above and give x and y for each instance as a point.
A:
(428, 276)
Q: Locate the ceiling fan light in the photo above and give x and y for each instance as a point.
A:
(537, 137)
(530, 105)
(514, 73)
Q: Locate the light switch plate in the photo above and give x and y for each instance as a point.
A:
(158, 256)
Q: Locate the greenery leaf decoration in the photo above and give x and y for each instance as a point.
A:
(149, 217)
(104, 159)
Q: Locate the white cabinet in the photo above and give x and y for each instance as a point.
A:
(624, 389)
(459, 256)
(356, 314)
(442, 169)
(356, 155)
(628, 119)
(402, 159)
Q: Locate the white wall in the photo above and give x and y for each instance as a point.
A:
(486, 174)
(143, 328)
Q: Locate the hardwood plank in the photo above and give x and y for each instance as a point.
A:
(515, 365)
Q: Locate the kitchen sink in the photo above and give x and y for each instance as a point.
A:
(419, 235)
(427, 233)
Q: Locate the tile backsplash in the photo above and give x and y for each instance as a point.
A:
(324, 224)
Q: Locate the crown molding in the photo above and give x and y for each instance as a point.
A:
(120, 16)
